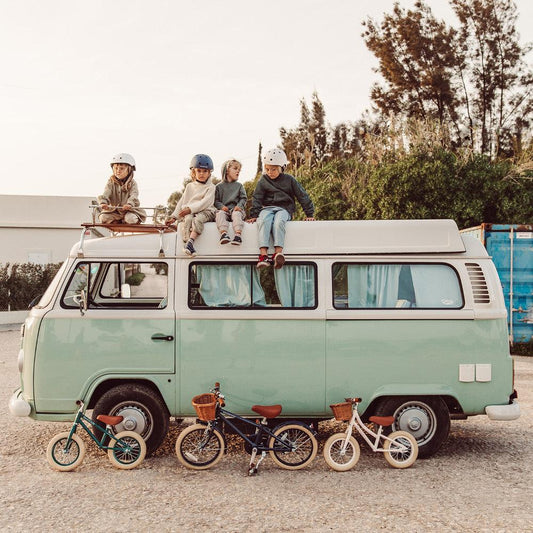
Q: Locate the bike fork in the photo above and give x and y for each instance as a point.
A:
(252, 469)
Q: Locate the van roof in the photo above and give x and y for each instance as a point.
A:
(329, 237)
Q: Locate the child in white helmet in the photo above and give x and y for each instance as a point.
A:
(119, 203)
(195, 207)
(274, 205)
(230, 201)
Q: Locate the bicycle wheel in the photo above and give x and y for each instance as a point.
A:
(338, 459)
(199, 447)
(402, 450)
(65, 458)
(129, 452)
(303, 446)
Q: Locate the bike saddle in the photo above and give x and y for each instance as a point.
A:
(382, 420)
(268, 411)
(110, 420)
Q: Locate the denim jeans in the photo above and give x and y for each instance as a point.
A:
(272, 219)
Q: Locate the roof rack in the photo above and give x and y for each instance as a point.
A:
(116, 228)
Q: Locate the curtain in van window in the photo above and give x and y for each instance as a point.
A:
(229, 286)
(295, 285)
(373, 285)
(436, 286)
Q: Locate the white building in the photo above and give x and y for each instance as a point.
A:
(40, 229)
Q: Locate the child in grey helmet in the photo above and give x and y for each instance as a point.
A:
(119, 203)
(230, 201)
(195, 207)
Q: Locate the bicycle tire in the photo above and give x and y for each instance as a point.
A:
(131, 455)
(304, 446)
(65, 460)
(401, 459)
(336, 458)
(199, 447)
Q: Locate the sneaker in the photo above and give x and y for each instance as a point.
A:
(264, 261)
(224, 238)
(237, 240)
(189, 249)
(278, 260)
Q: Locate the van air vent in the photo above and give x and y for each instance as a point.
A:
(479, 284)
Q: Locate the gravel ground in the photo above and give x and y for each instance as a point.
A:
(481, 480)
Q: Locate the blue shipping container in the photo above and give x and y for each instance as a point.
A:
(511, 248)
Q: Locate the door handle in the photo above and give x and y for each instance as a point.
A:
(161, 337)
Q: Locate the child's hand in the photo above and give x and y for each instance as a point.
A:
(184, 212)
(126, 207)
(170, 221)
(225, 208)
(237, 208)
(105, 207)
(251, 220)
(309, 218)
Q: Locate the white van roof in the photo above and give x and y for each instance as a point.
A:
(329, 237)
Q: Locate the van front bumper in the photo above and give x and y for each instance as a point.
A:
(18, 406)
(503, 412)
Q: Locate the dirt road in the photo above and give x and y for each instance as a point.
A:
(481, 480)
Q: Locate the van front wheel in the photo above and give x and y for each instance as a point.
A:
(143, 410)
(426, 418)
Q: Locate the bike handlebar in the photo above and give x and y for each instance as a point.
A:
(353, 400)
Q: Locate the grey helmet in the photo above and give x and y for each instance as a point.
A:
(123, 158)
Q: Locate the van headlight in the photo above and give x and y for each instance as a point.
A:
(20, 360)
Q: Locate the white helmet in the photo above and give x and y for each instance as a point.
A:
(275, 157)
(123, 158)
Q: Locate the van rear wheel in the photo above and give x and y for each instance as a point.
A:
(426, 418)
(143, 410)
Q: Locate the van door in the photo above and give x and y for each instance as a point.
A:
(127, 328)
(261, 334)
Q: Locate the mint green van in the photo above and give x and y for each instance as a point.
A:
(408, 315)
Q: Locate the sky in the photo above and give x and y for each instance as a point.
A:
(166, 79)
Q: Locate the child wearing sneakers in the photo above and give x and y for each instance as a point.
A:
(230, 201)
(195, 207)
(274, 205)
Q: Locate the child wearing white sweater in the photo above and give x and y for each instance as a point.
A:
(196, 206)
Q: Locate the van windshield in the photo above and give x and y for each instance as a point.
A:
(47, 296)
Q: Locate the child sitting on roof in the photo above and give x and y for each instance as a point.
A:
(274, 205)
(230, 200)
(195, 207)
(119, 203)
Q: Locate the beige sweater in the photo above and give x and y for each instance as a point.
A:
(197, 197)
(119, 194)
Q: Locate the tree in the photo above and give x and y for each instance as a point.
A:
(496, 81)
(474, 77)
(416, 58)
(307, 144)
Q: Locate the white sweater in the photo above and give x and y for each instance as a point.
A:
(197, 197)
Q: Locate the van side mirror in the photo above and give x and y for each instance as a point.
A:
(83, 302)
(125, 290)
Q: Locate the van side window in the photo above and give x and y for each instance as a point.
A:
(396, 286)
(118, 285)
(243, 286)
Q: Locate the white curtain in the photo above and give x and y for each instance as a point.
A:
(229, 286)
(295, 285)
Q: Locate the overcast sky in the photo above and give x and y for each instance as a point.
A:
(166, 79)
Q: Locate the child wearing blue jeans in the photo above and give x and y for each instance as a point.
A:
(274, 205)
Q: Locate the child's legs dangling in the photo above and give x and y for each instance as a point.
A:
(281, 217)
(264, 227)
(237, 222)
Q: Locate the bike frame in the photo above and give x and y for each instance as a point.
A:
(357, 423)
(80, 420)
(263, 430)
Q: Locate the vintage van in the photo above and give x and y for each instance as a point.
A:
(407, 314)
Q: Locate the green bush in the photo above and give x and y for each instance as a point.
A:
(21, 283)
(135, 279)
